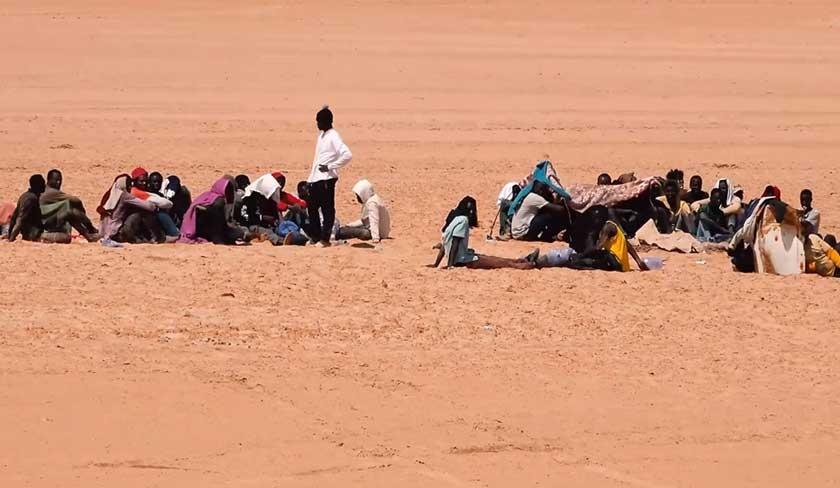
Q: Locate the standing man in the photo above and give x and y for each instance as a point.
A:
(330, 154)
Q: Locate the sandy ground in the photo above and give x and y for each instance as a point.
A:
(209, 366)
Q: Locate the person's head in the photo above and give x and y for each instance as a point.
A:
(672, 191)
(542, 190)
(155, 182)
(281, 179)
(676, 175)
(739, 192)
(303, 190)
(324, 118)
(37, 185)
(723, 186)
(604, 179)
(54, 179)
(468, 208)
(140, 178)
(696, 183)
(806, 199)
(830, 240)
(714, 197)
(242, 182)
(363, 189)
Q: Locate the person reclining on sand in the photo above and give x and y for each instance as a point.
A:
(539, 218)
(375, 223)
(55, 202)
(454, 245)
(602, 243)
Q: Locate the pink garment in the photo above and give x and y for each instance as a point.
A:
(188, 227)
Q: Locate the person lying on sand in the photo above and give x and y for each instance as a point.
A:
(454, 245)
(375, 222)
(539, 218)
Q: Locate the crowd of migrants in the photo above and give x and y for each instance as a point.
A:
(538, 209)
(597, 221)
(145, 207)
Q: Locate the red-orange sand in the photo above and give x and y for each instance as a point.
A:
(206, 366)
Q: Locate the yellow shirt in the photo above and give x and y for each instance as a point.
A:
(683, 208)
(820, 258)
(617, 245)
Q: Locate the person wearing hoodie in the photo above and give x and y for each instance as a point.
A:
(375, 223)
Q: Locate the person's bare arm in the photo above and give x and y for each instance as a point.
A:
(637, 258)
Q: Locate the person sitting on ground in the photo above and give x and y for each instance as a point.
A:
(455, 241)
(538, 217)
(26, 219)
(695, 190)
(210, 217)
(61, 211)
(682, 217)
(180, 197)
(239, 210)
(375, 223)
(811, 215)
(677, 176)
(604, 179)
(140, 189)
(611, 251)
(712, 222)
(126, 218)
(731, 205)
(264, 202)
(503, 202)
(820, 256)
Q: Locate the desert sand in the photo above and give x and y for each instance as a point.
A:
(260, 366)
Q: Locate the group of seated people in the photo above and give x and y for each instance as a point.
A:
(598, 240)
(143, 207)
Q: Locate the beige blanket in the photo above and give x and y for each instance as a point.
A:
(677, 241)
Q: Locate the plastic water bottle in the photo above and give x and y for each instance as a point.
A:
(653, 262)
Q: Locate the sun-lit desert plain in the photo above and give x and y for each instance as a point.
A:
(205, 366)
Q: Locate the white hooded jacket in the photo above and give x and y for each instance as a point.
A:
(375, 215)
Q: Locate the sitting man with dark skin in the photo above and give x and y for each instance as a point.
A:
(695, 190)
(681, 216)
(26, 221)
(811, 215)
(539, 218)
(56, 203)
